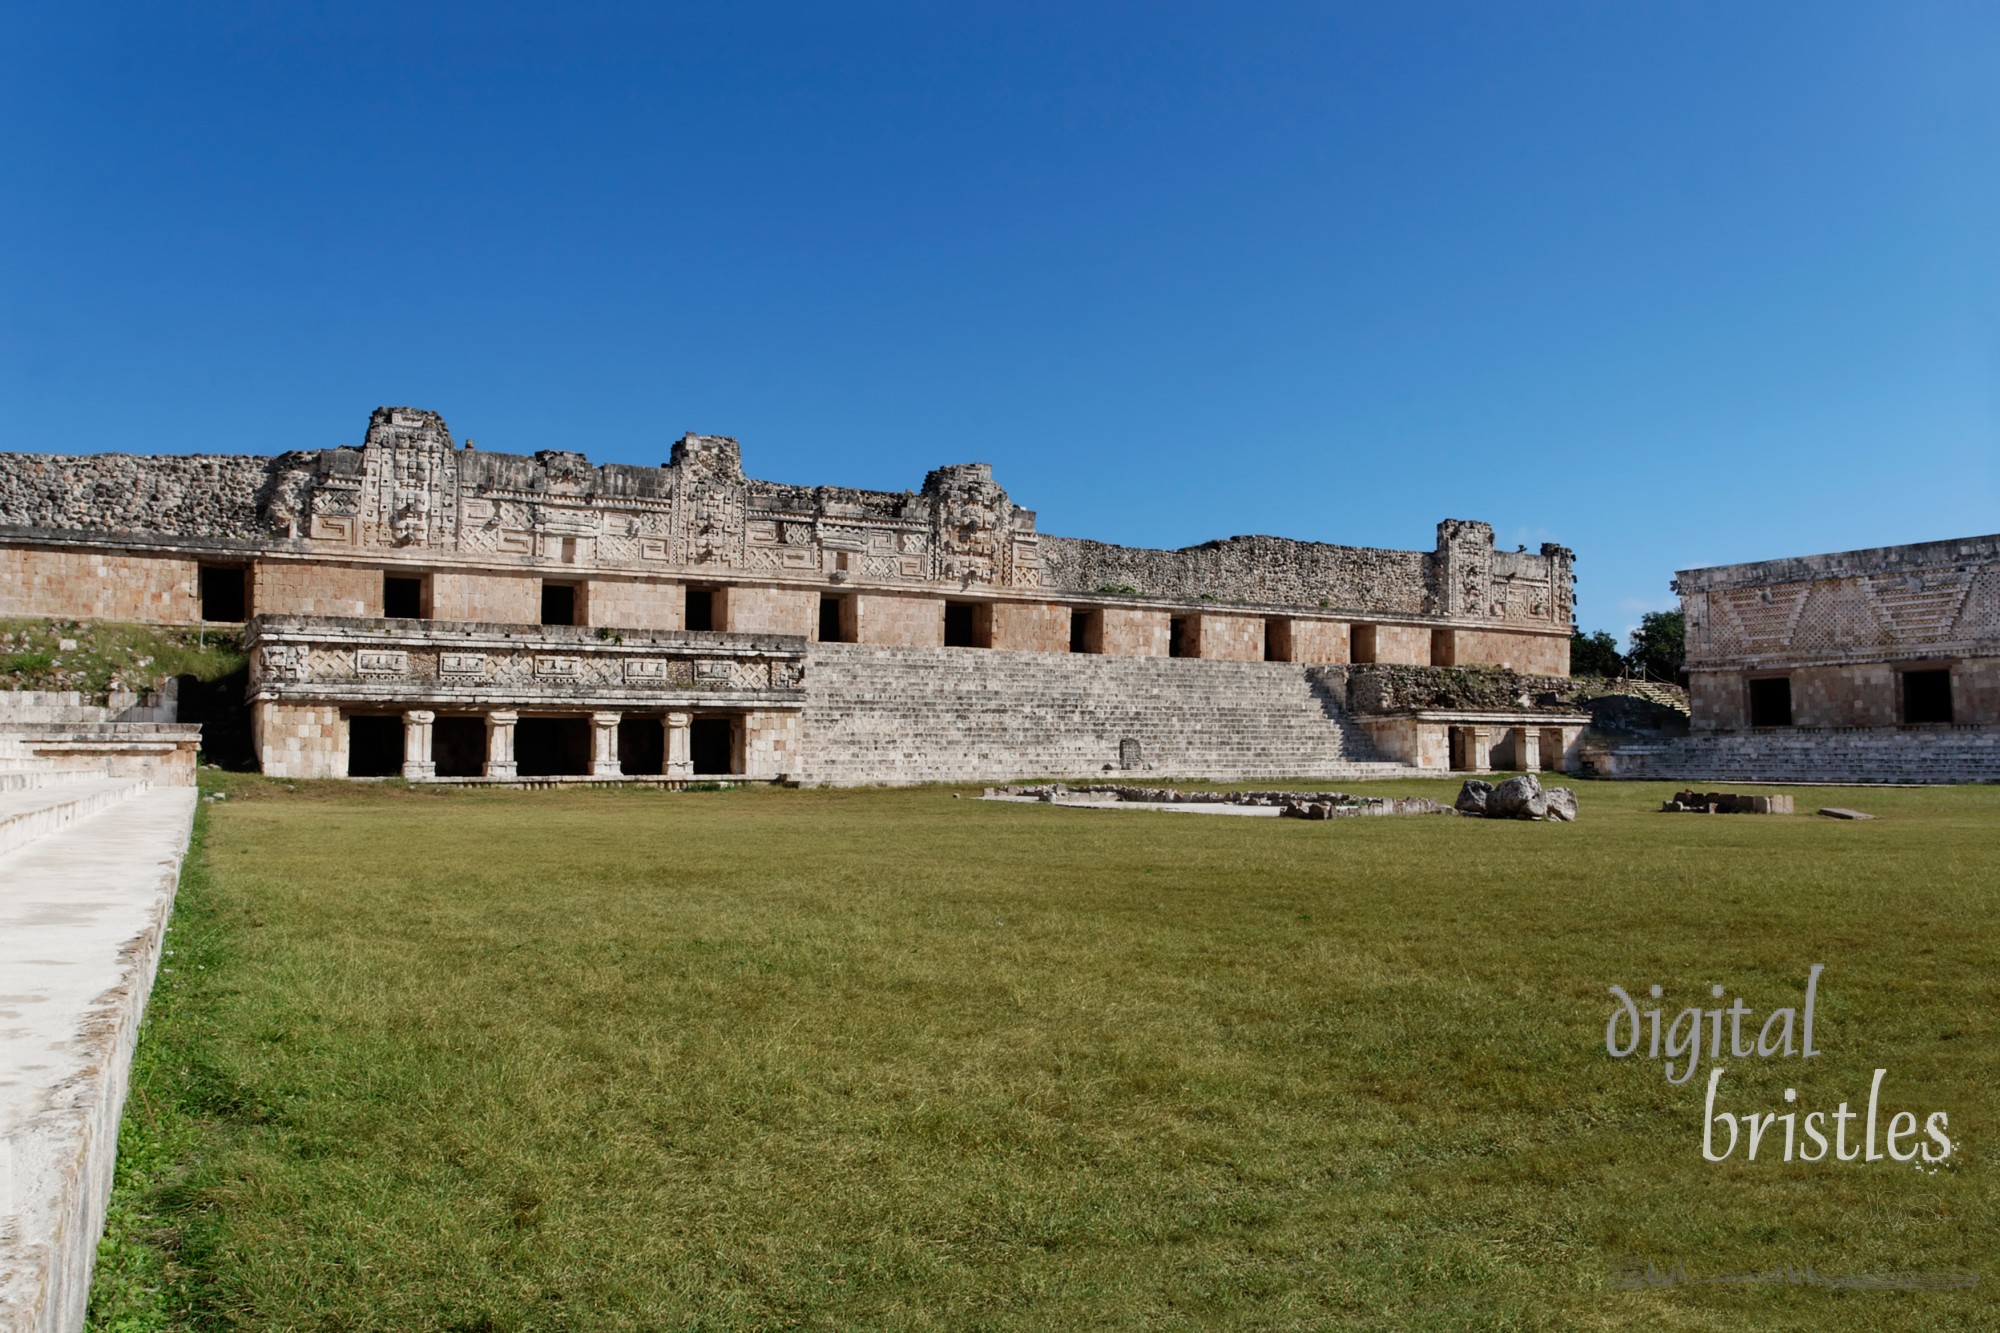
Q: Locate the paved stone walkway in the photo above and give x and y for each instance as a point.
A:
(83, 910)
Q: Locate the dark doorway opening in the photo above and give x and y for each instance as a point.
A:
(1086, 631)
(1444, 648)
(642, 746)
(1927, 696)
(1361, 643)
(700, 609)
(225, 592)
(217, 707)
(374, 747)
(968, 625)
(1277, 640)
(1460, 739)
(402, 598)
(558, 603)
(552, 747)
(1771, 702)
(712, 745)
(1177, 638)
(458, 745)
(835, 621)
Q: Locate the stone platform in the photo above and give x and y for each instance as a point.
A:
(86, 884)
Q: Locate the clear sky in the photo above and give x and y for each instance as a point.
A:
(1672, 284)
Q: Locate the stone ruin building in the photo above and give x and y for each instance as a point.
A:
(417, 608)
(1880, 665)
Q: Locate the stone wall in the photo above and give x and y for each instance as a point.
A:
(1312, 640)
(300, 740)
(85, 584)
(194, 495)
(1842, 630)
(1127, 632)
(627, 604)
(771, 747)
(1808, 755)
(299, 588)
(889, 619)
(516, 599)
(1226, 637)
(752, 610)
(1040, 627)
(410, 495)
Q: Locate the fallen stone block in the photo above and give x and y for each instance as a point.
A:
(1840, 812)
(1562, 804)
(1518, 798)
(1472, 797)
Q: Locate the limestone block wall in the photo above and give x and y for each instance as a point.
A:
(1844, 696)
(300, 740)
(287, 588)
(1848, 694)
(1128, 632)
(1529, 654)
(753, 610)
(99, 585)
(887, 618)
(1403, 645)
(1226, 638)
(1322, 641)
(1943, 754)
(969, 714)
(1031, 626)
(771, 744)
(1975, 691)
(628, 604)
(497, 599)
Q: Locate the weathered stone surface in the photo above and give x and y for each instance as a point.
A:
(1561, 803)
(1874, 665)
(1841, 812)
(1518, 798)
(1472, 797)
(1730, 803)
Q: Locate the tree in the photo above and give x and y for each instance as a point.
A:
(1594, 655)
(1659, 646)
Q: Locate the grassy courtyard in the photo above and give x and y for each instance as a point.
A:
(447, 1060)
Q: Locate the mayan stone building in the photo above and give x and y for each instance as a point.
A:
(416, 607)
(1881, 665)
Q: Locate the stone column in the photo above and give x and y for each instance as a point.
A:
(1528, 749)
(1481, 740)
(680, 759)
(500, 744)
(1570, 736)
(604, 746)
(418, 765)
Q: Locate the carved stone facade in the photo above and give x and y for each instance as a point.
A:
(417, 573)
(1879, 665)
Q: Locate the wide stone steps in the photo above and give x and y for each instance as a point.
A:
(35, 810)
(915, 715)
(1808, 755)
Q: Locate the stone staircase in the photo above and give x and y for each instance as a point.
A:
(876, 714)
(1807, 755)
(88, 866)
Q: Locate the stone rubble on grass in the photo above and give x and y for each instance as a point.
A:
(1727, 803)
(1289, 804)
(1523, 797)
(1841, 812)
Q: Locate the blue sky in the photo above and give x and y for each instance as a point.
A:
(1671, 284)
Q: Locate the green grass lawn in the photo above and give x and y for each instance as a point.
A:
(459, 1060)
